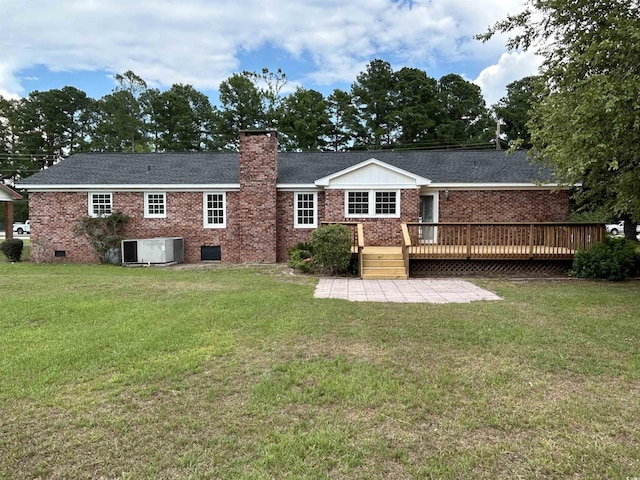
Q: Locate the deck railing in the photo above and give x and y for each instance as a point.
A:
(500, 240)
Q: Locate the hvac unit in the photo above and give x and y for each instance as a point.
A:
(153, 250)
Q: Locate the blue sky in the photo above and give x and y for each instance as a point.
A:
(319, 44)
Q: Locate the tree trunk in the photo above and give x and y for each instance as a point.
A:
(629, 228)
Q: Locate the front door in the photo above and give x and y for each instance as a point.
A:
(427, 214)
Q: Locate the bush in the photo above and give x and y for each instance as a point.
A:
(332, 248)
(12, 249)
(104, 232)
(615, 259)
(301, 258)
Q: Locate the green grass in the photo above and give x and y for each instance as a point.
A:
(238, 372)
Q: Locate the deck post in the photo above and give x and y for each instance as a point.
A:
(531, 241)
(360, 234)
(468, 241)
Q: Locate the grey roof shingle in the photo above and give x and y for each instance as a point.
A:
(459, 166)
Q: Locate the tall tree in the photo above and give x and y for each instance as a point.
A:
(345, 122)
(134, 86)
(372, 92)
(241, 107)
(305, 123)
(152, 105)
(464, 118)
(415, 105)
(513, 111)
(115, 128)
(587, 123)
(53, 124)
(13, 163)
(270, 85)
(180, 118)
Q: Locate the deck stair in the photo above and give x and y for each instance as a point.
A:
(383, 263)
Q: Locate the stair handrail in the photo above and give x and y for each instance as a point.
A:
(406, 243)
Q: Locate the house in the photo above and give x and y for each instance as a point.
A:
(254, 205)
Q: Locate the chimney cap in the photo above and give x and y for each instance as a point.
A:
(255, 132)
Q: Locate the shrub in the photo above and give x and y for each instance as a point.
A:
(12, 249)
(300, 258)
(332, 247)
(104, 232)
(614, 259)
(42, 250)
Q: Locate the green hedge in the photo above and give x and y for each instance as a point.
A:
(615, 259)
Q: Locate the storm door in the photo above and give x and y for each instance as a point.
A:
(427, 234)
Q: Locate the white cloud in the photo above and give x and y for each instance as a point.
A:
(201, 42)
(511, 66)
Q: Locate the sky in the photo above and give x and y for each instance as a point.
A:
(318, 44)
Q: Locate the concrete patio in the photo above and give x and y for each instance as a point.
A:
(402, 291)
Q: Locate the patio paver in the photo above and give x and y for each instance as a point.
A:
(402, 291)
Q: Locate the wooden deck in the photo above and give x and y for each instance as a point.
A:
(499, 241)
(476, 241)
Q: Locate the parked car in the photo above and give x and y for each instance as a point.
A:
(21, 228)
(616, 228)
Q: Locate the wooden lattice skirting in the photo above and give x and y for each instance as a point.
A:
(452, 268)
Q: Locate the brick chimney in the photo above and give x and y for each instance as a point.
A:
(257, 197)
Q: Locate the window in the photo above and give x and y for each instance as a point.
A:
(100, 204)
(385, 203)
(372, 203)
(215, 210)
(155, 205)
(305, 210)
(358, 204)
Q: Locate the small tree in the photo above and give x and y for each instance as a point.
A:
(104, 232)
(332, 247)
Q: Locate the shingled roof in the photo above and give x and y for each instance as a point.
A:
(207, 169)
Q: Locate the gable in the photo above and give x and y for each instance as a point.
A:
(372, 173)
(7, 194)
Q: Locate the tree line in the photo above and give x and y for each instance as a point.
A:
(383, 109)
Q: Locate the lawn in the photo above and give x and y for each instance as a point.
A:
(239, 373)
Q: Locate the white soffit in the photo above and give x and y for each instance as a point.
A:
(372, 173)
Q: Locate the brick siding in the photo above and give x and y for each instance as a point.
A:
(288, 235)
(377, 231)
(54, 217)
(504, 206)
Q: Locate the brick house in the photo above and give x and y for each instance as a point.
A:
(253, 205)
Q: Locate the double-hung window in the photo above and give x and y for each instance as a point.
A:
(215, 210)
(100, 204)
(372, 203)
(306, 210)
(155, 205)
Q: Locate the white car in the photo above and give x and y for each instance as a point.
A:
(616, 228)
(21, 228)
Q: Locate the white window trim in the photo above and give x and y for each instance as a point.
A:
(372, 203)
(90, 202)
(146, 205)
(205, 224)
(315, 210)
